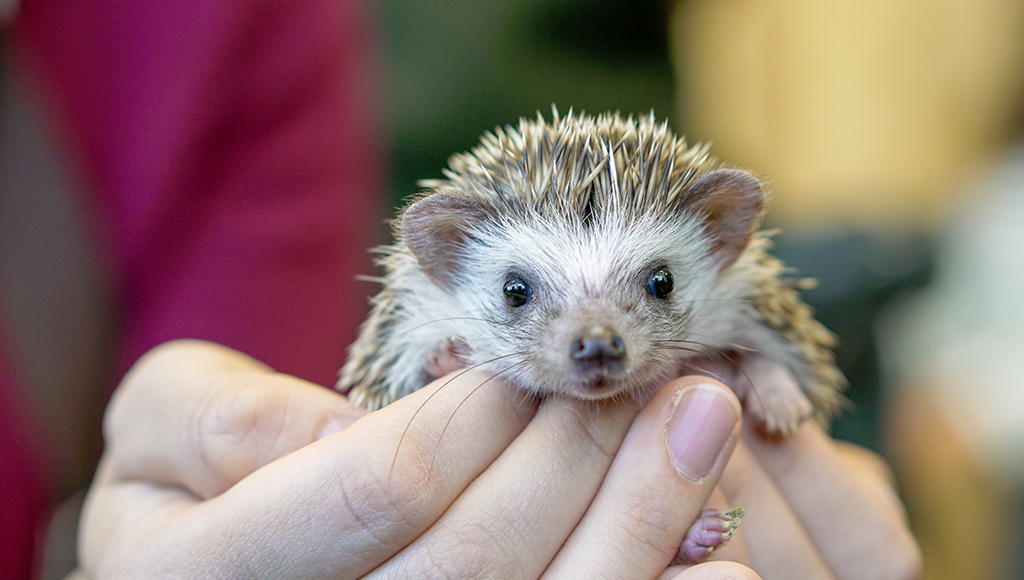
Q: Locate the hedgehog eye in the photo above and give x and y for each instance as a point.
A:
(660, 283)
(517, 291)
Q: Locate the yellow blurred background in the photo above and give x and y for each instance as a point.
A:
(857, 112)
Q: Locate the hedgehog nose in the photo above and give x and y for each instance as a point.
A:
(598, 344)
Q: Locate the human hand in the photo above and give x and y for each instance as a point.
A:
(815, 508)
(217, 467)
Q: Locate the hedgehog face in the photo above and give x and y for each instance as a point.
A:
(577, 251)
(588, 313)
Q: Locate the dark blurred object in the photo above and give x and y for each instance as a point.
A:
(460, 68)
(858, 274)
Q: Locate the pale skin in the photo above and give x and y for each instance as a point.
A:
(217, 467)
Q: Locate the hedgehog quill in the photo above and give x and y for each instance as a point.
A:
(593, 257)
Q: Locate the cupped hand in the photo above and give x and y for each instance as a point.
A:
(815, 507)
(818, 508)
(217, 467)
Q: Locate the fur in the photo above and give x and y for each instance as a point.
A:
(583, 209)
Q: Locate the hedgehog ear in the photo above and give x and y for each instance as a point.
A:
(731, 202)
(435, 227)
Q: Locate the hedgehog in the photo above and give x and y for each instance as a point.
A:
(593, 257)
(590, 256)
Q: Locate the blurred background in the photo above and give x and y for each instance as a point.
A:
(889, 133)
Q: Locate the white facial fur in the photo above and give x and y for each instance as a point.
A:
(581, 277)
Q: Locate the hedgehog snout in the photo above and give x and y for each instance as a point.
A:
(598, 346)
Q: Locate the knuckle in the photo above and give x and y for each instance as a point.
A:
(390, 503)
(387, 499)
(470, 552)
(132, 392)
(604, 442)
(232, 430)
(451, 562)
(650, 528)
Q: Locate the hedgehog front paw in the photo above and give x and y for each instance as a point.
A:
(782, 415)
(774, 398)
(711, 530)
(449, 356)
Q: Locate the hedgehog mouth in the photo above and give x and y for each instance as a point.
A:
(596, 385)
(600, 387)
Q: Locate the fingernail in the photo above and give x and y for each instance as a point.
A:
(701, 424)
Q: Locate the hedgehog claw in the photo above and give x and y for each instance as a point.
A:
(449, 356)
(711, 530)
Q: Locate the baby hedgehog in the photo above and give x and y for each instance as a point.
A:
(595, 257)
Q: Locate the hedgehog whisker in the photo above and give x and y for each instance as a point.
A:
(730, 344)
(451, 318)
(697, 348)
(709, 299)
(431, 396)
(717, 375)
(722, 354)
(739, 367)
(466, 398)
(682, 348)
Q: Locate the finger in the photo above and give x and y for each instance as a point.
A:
(201, 416)
(710, 571)
(511, 521)
(849, 511)
(658, 485)
(858, 458)
(117, 516)
(778, 545)
(333, 509)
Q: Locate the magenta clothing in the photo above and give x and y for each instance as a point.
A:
(231, 161)
(22, 491)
